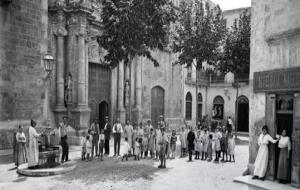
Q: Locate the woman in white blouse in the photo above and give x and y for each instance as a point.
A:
(21, 147)
(283, 172)
(262, 158)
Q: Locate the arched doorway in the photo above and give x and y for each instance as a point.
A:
(103, 112)
(199, 118)
(157, 104)
(218, 109)
(243, 114)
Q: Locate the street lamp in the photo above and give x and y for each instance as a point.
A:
(48, 61)
(230, 79)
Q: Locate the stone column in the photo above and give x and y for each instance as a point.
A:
(81, 70)
(60, 68)
(121, 91)
(132, 83)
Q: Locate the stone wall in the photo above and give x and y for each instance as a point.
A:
(23, 36)
(275, 40)
(170, 79)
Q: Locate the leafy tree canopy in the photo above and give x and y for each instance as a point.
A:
(134, 28)
(236, 54)
(199, 33)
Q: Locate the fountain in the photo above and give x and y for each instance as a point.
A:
(49, 157)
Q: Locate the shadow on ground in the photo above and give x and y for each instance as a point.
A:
(110, 169)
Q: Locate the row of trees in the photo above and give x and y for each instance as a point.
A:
(135, 27)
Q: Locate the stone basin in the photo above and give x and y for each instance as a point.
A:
(49, 157)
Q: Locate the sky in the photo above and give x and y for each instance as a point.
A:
(232, 4)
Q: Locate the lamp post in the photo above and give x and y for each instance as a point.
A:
(47, 63)
(230, 79)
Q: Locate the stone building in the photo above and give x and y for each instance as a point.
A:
(275, 79)
(80, 86)
(217, 98)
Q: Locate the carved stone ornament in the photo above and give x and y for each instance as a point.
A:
(60, 3)
(61, 31)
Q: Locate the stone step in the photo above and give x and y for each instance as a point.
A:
(265, 185)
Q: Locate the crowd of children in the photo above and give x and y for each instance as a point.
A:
(155, 144)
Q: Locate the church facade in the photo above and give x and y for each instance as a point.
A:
(81, 86)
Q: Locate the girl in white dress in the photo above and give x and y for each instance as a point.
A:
(262, 158)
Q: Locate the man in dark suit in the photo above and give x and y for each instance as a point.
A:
(107, 132)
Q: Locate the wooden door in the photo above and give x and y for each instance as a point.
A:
(103, 112)
(271, 123)
(157, 104)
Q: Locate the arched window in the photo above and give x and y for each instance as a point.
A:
(199, 106)
(218, 109)
(188, 106)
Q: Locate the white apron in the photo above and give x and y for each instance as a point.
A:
(33, 150)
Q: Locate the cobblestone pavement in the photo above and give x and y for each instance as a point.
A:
(114, 174)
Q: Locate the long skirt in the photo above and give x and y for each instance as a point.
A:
(21, 154)
(261, 161)
(283, 172)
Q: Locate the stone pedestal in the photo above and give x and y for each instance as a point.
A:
(137, 115)
(81, 116)
(121, 113)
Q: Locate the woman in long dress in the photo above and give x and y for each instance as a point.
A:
(283, 172)
(21, 147)
(33, 150)
(262, 158)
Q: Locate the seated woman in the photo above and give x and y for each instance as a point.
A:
(262, 158)
(284, 144)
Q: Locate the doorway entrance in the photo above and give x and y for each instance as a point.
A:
(157, 104)
(199, 117)
(284, 120)
(103, 112)
(243, 114)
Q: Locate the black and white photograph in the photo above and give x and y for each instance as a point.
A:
(149, 94)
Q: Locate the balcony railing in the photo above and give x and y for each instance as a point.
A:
(205, 79)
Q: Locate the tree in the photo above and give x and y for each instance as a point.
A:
(134, 28)
(199, 35)
(236, 54)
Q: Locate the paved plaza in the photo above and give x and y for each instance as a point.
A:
(144, 174)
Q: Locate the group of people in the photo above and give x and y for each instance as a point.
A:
(31, 156)
(141, 141)
(262, 158)
(202, 142)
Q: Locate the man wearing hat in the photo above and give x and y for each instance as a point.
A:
(63, 139)
(107, 132)
(95, 131)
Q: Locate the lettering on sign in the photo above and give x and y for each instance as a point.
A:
(277, 80)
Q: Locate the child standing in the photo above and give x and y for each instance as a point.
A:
(163, 144)
(204, 140)
(88, 147)
(83, 151)
(145, 146)
(217, 137)
(209, 147)
(101, 143)
(198, 146)
(183, 142)
(231, 147)
(173, 144)
(126, 149)
(151, 143)
(224, 144)
(137, 149)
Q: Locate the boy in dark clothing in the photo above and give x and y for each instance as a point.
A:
(190, 142)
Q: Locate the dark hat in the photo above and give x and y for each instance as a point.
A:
(65, 117)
